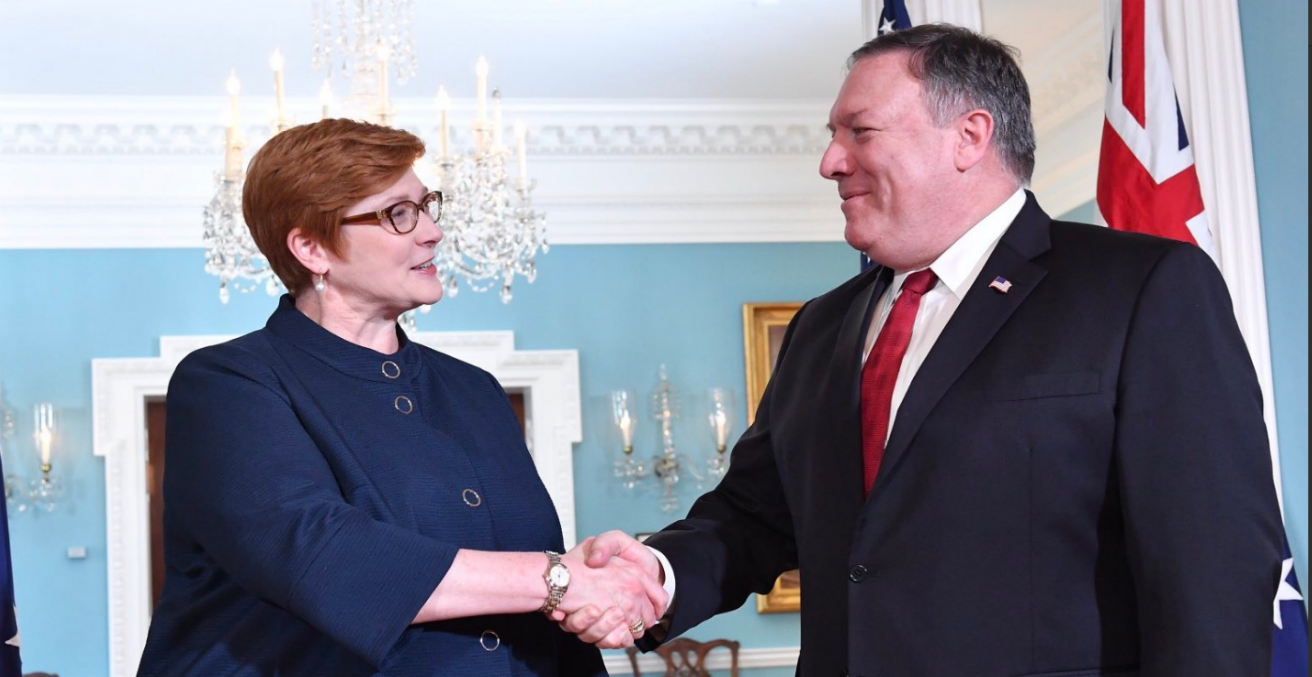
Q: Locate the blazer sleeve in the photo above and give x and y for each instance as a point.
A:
(738, 538)
(1194, 468)
(246, 482)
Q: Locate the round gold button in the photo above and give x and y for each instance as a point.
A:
(490, 641)
(471, 498)
(403, 404)
(391, 369)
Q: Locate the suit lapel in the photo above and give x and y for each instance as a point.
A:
(845, 380)
(979, 317)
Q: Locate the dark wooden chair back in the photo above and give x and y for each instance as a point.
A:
(687, 657)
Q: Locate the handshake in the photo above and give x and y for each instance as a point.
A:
(616, 591)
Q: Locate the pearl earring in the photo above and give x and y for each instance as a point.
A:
(319, 284)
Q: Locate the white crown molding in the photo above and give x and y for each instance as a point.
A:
(652, 664)
(171, 126)
(549, 380)
(609, 172)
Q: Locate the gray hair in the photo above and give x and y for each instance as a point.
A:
(962, 70)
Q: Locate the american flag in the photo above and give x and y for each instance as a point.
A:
(893, 17)
(1147, 183)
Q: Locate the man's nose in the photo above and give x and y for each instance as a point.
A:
(835, 162)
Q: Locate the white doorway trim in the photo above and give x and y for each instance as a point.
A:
(548, 379)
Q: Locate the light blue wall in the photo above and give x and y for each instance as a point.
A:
(1276, 63)
(625, 309)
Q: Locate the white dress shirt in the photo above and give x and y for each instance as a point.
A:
(956, 269)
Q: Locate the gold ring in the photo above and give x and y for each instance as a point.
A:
(637, 626)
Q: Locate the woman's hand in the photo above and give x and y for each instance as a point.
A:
(611, 603)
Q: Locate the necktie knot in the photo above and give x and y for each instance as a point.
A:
(920, 282)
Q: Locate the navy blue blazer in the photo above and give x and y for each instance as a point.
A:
(316, 493)
(1078, 481)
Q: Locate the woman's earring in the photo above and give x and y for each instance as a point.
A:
(319, 284)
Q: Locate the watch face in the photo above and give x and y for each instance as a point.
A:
(559, 576)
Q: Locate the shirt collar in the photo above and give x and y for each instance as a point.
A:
(958, 267)
(290, 324)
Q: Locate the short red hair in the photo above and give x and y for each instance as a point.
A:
(307, 176)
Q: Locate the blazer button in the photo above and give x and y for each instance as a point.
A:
(403, 404)
(391, 369)
(471, 498)
(858, 573)
(490, 641)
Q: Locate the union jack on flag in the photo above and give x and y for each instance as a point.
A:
(1147, 181)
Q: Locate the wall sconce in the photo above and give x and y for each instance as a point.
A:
(669, 466)
(46, 490)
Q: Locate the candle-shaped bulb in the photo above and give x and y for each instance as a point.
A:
(720, 420)
(276, 62)
(626, 429)
(496, 120)
(521, 151)
(233, 84)
(480, 69)
(443, 107)
(325, 97)
(384, 51)
(45, 430)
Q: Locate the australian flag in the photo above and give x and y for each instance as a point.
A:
(893, 17)
(1289, 654)
(10, 665)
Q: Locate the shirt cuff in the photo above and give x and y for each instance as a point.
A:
(669, 578)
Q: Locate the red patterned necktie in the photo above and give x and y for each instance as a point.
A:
(880, 372)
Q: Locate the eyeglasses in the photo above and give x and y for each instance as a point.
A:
(403, 216)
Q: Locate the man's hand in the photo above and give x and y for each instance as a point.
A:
(630, 594)
(612, 629)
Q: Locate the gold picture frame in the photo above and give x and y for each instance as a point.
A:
(764, 325)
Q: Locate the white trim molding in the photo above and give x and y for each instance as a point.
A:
(628, 172)
(549, 380)
(651, 664)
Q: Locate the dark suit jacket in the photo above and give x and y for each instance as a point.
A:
(317, 492)
(1078, 481)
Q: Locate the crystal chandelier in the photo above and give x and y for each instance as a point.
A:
(492, 232)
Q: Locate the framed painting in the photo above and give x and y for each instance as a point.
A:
(764, 325)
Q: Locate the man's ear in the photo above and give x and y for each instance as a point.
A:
(974, 139)
(310, 252)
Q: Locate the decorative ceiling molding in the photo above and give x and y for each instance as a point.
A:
(155, 126)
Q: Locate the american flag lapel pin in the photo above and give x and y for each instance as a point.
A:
(1001, 284)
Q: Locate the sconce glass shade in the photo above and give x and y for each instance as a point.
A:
(45, 491)
(624, 414)
(720, 409)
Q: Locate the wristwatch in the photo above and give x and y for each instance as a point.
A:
(557, 578)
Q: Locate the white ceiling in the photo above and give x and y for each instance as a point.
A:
(589, 49)
(540, 49)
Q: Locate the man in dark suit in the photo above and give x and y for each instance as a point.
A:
(1017, 447)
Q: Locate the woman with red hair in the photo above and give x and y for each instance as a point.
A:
(341, 501)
